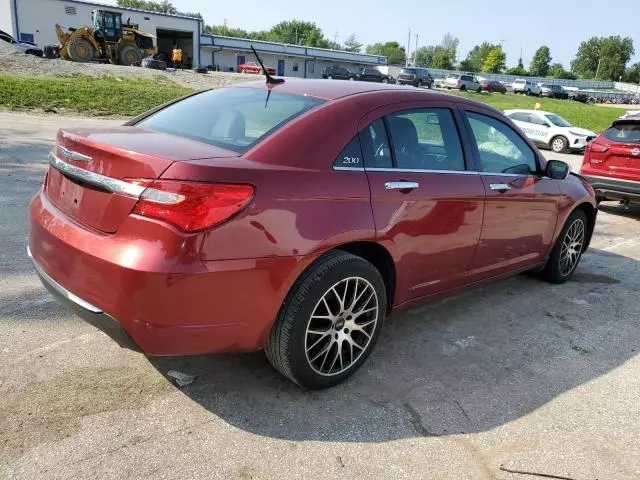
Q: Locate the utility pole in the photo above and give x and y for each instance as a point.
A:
(335, 37)
(415, 52)
(406, 60)
(598, 69)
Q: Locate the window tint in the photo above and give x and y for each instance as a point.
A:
(233, 118)
(351, 155)
(624, 133)
(466, 78)
(375, 146)
(538, 120)
(500, 148)
(426, 140)
(520, 117)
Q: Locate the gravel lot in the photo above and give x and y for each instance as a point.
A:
(521, 374)
(15, 63)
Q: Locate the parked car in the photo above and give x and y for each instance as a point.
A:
(528, 87)
(550, 130)
(612, 161)
(338, 73)
(253, 67)
(418, 77)
(578, 96)
(492, 86)
(463, 82)
(22, 46)
(553, 91)
(372, 75)
(295, 217)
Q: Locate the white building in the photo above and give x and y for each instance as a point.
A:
(34, 20)
(226, 53)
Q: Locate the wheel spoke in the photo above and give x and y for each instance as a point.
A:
(322, 337)
(362, 312)
(325, 350)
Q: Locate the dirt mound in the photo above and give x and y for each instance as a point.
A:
(13, 62)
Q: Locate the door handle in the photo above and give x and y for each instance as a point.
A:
(401, 185)
(500, 187)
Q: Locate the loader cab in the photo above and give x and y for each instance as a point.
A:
(108, 23)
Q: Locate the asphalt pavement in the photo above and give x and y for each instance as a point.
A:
(520, 375)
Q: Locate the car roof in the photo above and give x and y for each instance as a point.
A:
(519, 110)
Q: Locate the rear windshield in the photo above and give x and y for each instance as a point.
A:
(232, 118)
(624, 133)
(412, 71)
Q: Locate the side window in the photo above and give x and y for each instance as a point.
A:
(426, 139)
(351, 155)
(375, 146)
(500, 148)
(538, 120)
(521, 117)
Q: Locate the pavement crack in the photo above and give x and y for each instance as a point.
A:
(416, 421)
(462, 410)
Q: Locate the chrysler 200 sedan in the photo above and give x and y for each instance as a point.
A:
(294, 217)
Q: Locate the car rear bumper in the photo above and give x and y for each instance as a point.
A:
(613, 188)
(150, 295)
(402, 81)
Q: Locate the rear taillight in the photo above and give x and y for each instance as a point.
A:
(458, 84)
(596, 147)
(191, 206)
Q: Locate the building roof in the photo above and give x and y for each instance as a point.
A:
(107, 6)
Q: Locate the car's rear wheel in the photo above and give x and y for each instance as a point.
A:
(567, 252)
(385, 80)
(330, 77)
(559, 144)
(351, 79)
(463, 88)
(478, 90)
(329, 322)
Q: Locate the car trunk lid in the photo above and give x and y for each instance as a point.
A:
(613, 154)
(92, 172)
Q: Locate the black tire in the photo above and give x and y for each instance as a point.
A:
(286, 347)
(329, 77)
(559, 144)
(552, 271)
(81, 50)
(479, 90)
(385, 80)
(463, 88)
(129, 55)
(527, 93)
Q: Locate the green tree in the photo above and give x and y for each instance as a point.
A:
(226, 31)
(633, 73)
(395, 53)
(351, 44)
(540, 64)
(163, 6)
(557, 71)
(495, 61)
(605, 57)
(477, 56)
(518, 70)
(424, 56)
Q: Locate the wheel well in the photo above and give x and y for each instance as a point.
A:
(380, 258)
(590, 212)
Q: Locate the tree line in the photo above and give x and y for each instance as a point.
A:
(598, 58)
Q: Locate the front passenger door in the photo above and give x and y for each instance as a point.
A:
(521, 207)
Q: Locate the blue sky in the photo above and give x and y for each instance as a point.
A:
(560, 24)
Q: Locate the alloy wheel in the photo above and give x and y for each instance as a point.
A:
(558, 145)
(341, 326)
(572, 245)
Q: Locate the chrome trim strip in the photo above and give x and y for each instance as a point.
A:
(60, 289)
(71, 155)
(401, 185)
(589, 177)
(346, 169)
(412, 170)
(112, 185)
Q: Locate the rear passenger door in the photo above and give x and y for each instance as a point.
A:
(521, 207)
(427, 206)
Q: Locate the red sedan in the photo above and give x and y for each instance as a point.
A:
(492, 86)
(612, 161)
(253, 67)
(294, 217)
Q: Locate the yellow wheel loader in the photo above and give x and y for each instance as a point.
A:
(107, 41)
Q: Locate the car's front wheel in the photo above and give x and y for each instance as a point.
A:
(559, 144)
(567, 252)
(329, 322)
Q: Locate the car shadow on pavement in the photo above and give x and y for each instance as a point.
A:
(632, 211)
(465, 364)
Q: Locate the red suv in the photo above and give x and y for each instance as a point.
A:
(295, 217)
(612, 161)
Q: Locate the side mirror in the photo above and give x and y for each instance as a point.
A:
(557, 170)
